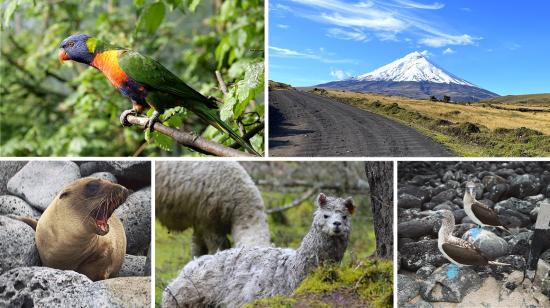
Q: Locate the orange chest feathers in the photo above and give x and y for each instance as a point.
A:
(107, 63)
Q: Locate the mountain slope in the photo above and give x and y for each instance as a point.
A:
(416, 77)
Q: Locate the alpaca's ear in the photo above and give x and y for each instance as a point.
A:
(322, 200)
(349, 205)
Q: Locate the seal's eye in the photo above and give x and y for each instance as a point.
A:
(92, 187)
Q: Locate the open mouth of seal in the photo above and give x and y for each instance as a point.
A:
(105, 209)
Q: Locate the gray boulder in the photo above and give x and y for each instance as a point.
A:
(47, 287)
(525, 185)
(449, 285)
(416, 228)
(17, 206)
(407, 201)
(17, 246)
(407, 289)
(418, 254)
(104, 176)
(39, 181)
(130, 170)
(127, 291)
(7, 170)
(133, 266)
(524, 207)
(446, 195)
(491, 245)
(135, 215)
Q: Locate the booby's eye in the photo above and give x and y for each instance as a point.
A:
(326, 216)
(70, 44)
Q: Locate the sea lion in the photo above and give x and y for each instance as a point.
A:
(78, 231)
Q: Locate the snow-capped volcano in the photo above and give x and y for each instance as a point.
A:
(413, 67)
(416, 77)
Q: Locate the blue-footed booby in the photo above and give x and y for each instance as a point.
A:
(457, 250)
(478, 212)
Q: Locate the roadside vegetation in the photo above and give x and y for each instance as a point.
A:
(509, 126)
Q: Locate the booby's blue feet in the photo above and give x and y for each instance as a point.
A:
(452, 271)
(475, 232)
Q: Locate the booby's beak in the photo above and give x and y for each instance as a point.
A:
(62, 55)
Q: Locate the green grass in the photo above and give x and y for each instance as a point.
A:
(172, 250)
(463, 138)
(368, 283)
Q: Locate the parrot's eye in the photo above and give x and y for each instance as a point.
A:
(71, 44)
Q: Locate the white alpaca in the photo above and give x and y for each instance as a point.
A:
(234, 277)
(215, 199)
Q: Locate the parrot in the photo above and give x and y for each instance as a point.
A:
(146, 82)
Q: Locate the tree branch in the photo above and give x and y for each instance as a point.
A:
(296, 202)
(189, 139)
(223, 86)
(251, 133)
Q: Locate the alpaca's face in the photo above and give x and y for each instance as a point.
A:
(333, 215)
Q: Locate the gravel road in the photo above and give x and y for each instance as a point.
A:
(304, 124)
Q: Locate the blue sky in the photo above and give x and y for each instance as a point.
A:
(500, 45)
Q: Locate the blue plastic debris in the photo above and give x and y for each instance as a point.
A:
(452, 271)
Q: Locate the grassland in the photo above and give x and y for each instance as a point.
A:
(354, 278)
(505, 126)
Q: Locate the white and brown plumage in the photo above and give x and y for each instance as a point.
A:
(478, 212)
(457, 250)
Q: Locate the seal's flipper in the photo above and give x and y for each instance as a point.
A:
(29, 221)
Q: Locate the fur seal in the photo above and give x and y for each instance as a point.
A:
(78, 231)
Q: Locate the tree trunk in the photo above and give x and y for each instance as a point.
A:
(380, 177)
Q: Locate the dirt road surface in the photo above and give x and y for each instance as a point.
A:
(304, 124)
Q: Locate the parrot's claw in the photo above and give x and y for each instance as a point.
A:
(123, 117)
(151, 122)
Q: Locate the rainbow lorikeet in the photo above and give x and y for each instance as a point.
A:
(144, 81)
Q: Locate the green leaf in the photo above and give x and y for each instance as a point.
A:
(162, 141)
(147, 135)
(152, 17)
(139, 3)
(9, 12)
(226, 112)
(193, 5)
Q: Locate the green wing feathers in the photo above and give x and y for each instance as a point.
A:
(157, 78)
(211, 117)
(154, 75)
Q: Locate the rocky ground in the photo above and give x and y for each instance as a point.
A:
(26, 189)
(515, 190)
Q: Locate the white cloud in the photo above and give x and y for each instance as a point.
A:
(339, 74)
(384, 19)
(425, 53)
(289, 53)
(466, 9)
(416, 5)
(347, 35)
(282, 26)
(446, 39)
(449, 50)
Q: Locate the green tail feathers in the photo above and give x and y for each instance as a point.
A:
(211, 117)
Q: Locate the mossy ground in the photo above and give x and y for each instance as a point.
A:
(367, 284)
(467, 130)
(172, 249)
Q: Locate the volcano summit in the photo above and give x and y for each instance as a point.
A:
(416, 77)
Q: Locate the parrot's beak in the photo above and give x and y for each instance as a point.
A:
(63, 55)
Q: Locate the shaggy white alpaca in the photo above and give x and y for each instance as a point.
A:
(215, 199)
(237, 276)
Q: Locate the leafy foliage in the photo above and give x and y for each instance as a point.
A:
(52, 110)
